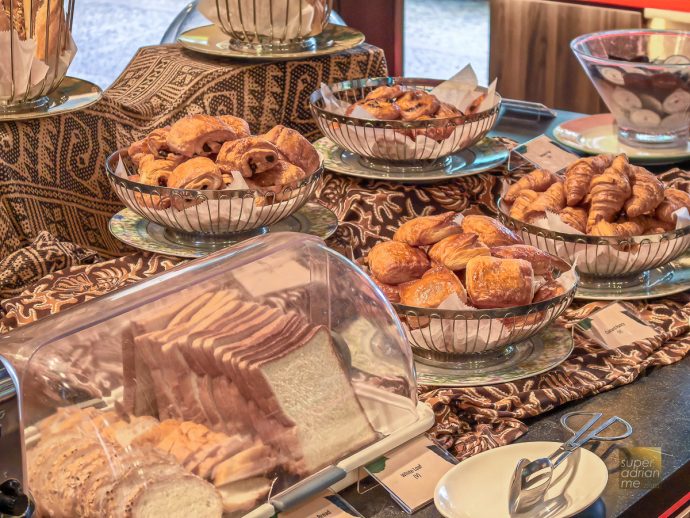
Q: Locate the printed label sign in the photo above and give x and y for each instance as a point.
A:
(326, 505)
(615, 325)
(543, 153)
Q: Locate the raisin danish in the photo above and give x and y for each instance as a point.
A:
(203, 135)
(295, 148)
(249, 156)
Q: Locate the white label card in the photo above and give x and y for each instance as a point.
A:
(543, 153)
(615, 325)
(326, 505)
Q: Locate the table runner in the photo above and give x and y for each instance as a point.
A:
(52, 170)
(468, 420)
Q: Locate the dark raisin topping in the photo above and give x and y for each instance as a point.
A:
(269, 158)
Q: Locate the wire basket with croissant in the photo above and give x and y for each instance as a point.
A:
(467, 285)
(610, 217)
(208, 175)
(400, 121)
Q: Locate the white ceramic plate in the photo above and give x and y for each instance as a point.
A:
(478, 487)
(597, 134)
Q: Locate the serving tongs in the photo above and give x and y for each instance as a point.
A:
(531, 480)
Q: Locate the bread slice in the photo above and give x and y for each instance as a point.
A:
(177, 497)
(244, 495)
(257, 460)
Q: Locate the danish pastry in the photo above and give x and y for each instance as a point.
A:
(295, 148)
(203, 135)
(391, 291)
(155, 172)
(499, 283)
(155, 144)
(385, 93)
(542, 262)
(490, 232)
(451, 116)
(609, 191)
(674, 199)
(198, 173)
(281, 176)
(393, 262)
(435, 286)
(647, 192)
(249, 156)
(547, 291)
(417, 103)
(456, 250)
(538, 181)
(378, 108)
(427, 230)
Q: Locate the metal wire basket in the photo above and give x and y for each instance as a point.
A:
(479, 337)
(49, 24)
(413, 144)
(602, 261)
(194, 216)
(272, 26)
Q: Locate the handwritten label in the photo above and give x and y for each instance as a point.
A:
(326, 505)
(410, 472)
(543, 153)
(616, 325)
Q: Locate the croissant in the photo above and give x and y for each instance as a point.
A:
(295, 147)
(542, 262)
(580, 174)
(203, 135)
(427, 230)
(499, 283)
(249, 156)
(576, 217)
(198, 173)
(674, 199)
(155, 172)
(652, 225)
(435, 286)
(522, 208)
(622, 229)
(647, 192)
(610, 190)
(552, 200)
(538, 180)
(392, 262)
(547, 291)
(490, 232)
(455, 251)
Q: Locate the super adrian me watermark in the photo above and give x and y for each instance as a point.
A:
(640, 467)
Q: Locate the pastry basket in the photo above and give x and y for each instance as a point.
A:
(477, 338)
(604, 263)
(386, 145)
(193, 217)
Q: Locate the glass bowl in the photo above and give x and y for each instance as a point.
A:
(194, 216)
(415, 144)
(643, 76)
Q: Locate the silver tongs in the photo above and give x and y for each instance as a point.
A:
(531, 480)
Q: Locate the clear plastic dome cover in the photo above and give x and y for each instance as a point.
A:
(211, 388)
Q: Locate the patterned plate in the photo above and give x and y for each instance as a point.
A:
(596, 134)
(209, 39)
(485, 155)
(130, 228)
(534, 356)
(661, 282)
(72, 94)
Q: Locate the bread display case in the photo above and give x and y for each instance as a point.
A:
(241, 383)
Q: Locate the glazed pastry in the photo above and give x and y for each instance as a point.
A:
(249, 156)
(282, 175)
(547, 291)
(155, 172)
(295, 148)
(610, 190)
(674, 199)
(453, 118)
(202, 135)
(490, 232)
(647, 192)
(580, 174)
(542, 262)
(523, 208)
(393, 262)
(624, 229)
(198, 173)
(455, 251)
(154, 144)
(576, 217)
(538, 181)
(379, 109)
(552, 200)
(417, 103)
(385, 93)
(499, 283)
(435, 286)
(427, 230)
(391, 291)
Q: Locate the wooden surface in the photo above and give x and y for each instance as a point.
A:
(530, 50)
(381, 21)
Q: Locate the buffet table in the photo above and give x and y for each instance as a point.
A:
(65, 193)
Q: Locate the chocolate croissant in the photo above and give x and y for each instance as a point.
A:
(392, 262)
(455, 251)
(295, 148)
(427, 230)
(435, 286)
(647, 192)
(249, 156)
(538, 181)
(499, 283)
(542, 262)
(154, 144)
(154, 171)
(490, 232)
(580, 174)
(674, 199)
(609, 191)
(203, 135)
(198, 173)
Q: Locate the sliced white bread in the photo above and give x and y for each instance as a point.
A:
(254, 461)
(177, 497)
(244, 495)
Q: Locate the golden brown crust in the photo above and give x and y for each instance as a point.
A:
(385, 93)
(623, 229)
(647, 192)
(499, 283)
(610, 190)
(391, 291)
(155, 172)
(542, 262)
(427, 230)
(14, 19)
(674, 199)
(378, 108)
(197, 173)
(203, 135)
(576, 217)
(455, 251)
(393, 262)
(552, 200)
(248, 155)
(538, 181)
(548, 291)
(417, 103)
(523, 208)
(51, 35)
(579, 175)
(295, 148)
(652, 225)
(435, 286)
(491, 232)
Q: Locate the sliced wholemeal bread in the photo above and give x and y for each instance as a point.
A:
(177, 497)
